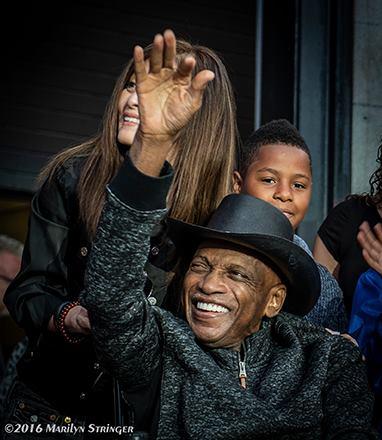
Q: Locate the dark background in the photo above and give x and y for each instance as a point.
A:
(286, 58)
(60, 62)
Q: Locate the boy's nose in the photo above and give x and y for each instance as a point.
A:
(283, 192)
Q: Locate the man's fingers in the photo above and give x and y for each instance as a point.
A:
(156, 54)
(139, 64)
(198, 85)
(202, 79)
(169, 49)
(350, 338)
(185, 68)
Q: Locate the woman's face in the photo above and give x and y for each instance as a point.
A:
(128, 113)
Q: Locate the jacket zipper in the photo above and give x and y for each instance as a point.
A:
(242, 371)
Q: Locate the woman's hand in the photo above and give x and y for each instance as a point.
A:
(168, 97)
(371, 243)
(77, 320)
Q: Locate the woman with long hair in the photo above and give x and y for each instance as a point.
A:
(348, 243)
(59, 379)
(336, 245)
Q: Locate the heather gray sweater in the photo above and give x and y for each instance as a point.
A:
(302, 382)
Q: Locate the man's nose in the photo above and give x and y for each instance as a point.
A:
(213, 282)
(283, 192)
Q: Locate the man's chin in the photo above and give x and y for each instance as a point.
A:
(209, 339)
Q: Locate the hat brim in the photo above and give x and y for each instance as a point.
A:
(296, 266)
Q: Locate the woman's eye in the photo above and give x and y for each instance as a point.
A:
(130, 86)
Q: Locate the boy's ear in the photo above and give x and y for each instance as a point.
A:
(237, 182)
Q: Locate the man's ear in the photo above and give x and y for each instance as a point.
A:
(276, 300)
(237, 182)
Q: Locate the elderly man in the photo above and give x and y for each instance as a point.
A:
(233, 365)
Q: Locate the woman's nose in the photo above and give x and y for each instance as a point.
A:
(132, 100)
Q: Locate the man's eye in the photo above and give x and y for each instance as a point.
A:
(197, 266)
(238, 275)
(130, 86)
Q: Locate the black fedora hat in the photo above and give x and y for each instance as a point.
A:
(254, 224)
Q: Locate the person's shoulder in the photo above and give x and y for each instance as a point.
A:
(347, 205)
(70, 170)
(308, 334)
(300, 242)
(342, 217)
(65, 176)
(344, 352)
(353, 205)
(299, 327)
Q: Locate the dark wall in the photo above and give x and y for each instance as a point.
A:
(278, 61)
(60, 61)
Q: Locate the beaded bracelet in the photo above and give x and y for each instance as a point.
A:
(59, 322)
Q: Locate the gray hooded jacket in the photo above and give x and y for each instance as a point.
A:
(302, 382)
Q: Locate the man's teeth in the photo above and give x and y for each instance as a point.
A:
(128, 119)
(211, 307)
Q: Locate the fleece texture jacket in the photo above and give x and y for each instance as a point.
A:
(302, 383)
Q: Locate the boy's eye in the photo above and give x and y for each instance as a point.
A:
(299, 185)
(130, 86)
(268, 180)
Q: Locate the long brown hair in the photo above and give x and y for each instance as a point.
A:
(205, 149)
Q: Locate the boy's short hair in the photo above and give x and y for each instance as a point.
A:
(279, 131)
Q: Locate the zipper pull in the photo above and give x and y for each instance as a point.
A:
(242, 375)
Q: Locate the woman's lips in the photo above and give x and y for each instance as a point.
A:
(130, 120)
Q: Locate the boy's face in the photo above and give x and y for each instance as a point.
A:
(280, 175)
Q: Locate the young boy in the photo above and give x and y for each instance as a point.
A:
(275, 165)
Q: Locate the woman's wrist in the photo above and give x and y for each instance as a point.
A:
(59, 322)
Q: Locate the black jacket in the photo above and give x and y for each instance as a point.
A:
(52, 272)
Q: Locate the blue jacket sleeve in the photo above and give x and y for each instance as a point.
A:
(366, 324)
